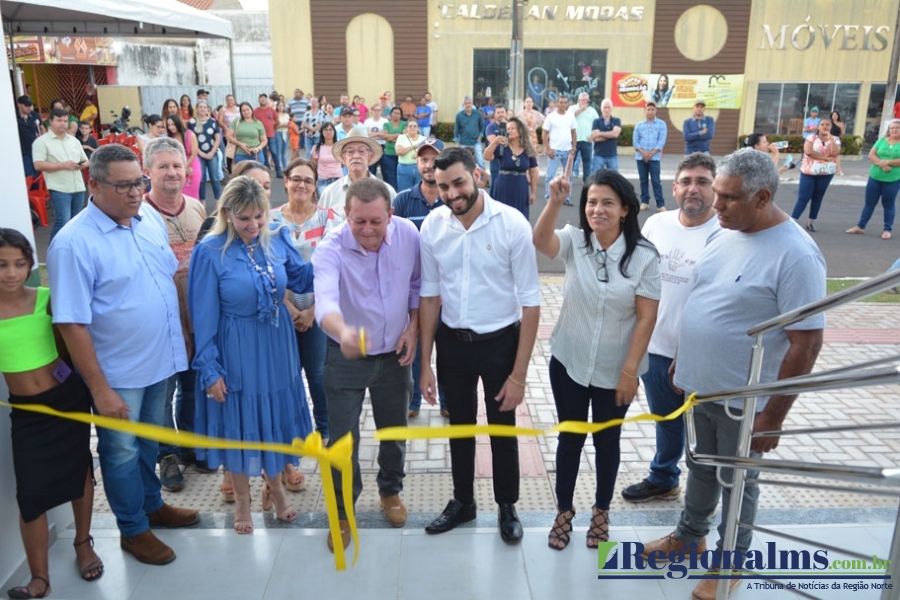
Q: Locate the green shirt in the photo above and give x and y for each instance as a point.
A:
(390, 148)
(248, 132)
(886, 151)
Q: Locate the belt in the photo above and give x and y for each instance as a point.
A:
(467, 335)
(516, 173)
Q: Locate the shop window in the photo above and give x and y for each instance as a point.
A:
(781, 107)
(549, 74)
(874, 109)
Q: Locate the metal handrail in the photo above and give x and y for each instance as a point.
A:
(866, 475)
(866, 288)
(791, 386)
(835, 429)
(889, 492)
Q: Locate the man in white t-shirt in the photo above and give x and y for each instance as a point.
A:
(434, 108)
(375, 128)
(558, 135)
(680, 237)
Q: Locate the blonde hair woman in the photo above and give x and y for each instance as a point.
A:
(246, 356)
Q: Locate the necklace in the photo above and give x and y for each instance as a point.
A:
(267, 274)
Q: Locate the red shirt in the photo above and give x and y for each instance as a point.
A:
(268, 117)
(897, 110)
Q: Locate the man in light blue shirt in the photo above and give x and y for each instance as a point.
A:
(649, 138)
(115, 303)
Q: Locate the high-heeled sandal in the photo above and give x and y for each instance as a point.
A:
(561, 530)
(243, 519)
(93, 566)
(294, 481)
(226, 490)
(599, 529)
(286, 514)
(24, 592)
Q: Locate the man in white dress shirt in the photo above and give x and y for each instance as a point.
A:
(479, 268)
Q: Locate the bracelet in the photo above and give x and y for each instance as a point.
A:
(627, 374)
(518, 383)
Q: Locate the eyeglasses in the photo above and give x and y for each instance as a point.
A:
(700, 182)
(602, 273)
(124, 188)
(298, 180)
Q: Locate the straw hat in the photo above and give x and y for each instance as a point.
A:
(357, 135)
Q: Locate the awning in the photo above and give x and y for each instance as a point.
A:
(114, 18)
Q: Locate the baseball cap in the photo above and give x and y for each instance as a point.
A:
(699, 103)
(24, 101)
(202, 91)
(431, 142)
(814, 109)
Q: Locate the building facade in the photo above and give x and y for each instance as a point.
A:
(785, 56)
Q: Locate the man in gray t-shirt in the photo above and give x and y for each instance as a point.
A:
(761, 264)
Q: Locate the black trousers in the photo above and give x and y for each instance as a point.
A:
(460, 365)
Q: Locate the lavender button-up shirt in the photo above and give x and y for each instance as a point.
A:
(375, 290)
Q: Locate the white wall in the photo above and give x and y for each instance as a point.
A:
(14, 213)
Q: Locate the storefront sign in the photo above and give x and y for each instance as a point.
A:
(820, 36)
(677, 91)
(548, 12)
(70, 50)
(28, 49)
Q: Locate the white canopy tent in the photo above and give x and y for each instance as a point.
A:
(115, 18)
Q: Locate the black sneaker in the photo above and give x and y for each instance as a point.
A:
(645, 491)
(169, 474)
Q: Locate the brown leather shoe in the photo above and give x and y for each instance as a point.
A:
(671, 543)
(147, 548)
(394, 510)
(345, 535)
(706, 589)
(172, 516)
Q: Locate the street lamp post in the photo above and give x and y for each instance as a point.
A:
(517, 59)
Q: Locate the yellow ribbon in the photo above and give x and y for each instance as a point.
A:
(338, 456)
(467, 431)
(362, 341)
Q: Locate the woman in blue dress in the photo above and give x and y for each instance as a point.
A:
(517, 182)
(248, 369)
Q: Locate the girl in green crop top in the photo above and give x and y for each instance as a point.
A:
(51, 456)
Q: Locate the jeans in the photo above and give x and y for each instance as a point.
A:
(239, 158)
(324, 183)
(264, 155)
(604, 162)
(717, 433)
(812, 188)
(65, 206)
(277, 144)
(211, 171)
(887, 192)
(426, 131)
(407, 176)
(389, 169)
(311, 344)
(572, 402)
(390, 387)
(28, 164)
(664, 471)
(479, 153)
(128, 463)
(583, 153)
(651, 168)
(416, 402)
(459, 366)
(179, 386)
(553, 164)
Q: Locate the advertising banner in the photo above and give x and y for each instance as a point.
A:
(677, 91)
(69, 50)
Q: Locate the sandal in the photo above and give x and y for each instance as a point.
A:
(95, 565)
(286, 514)
(243, 520)
(23, 591)
(227, 488)
(561, 530)
(294, 480)
(599, 529)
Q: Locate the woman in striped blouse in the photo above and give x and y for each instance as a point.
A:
(599, 344)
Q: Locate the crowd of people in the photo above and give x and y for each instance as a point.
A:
(358, 288)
